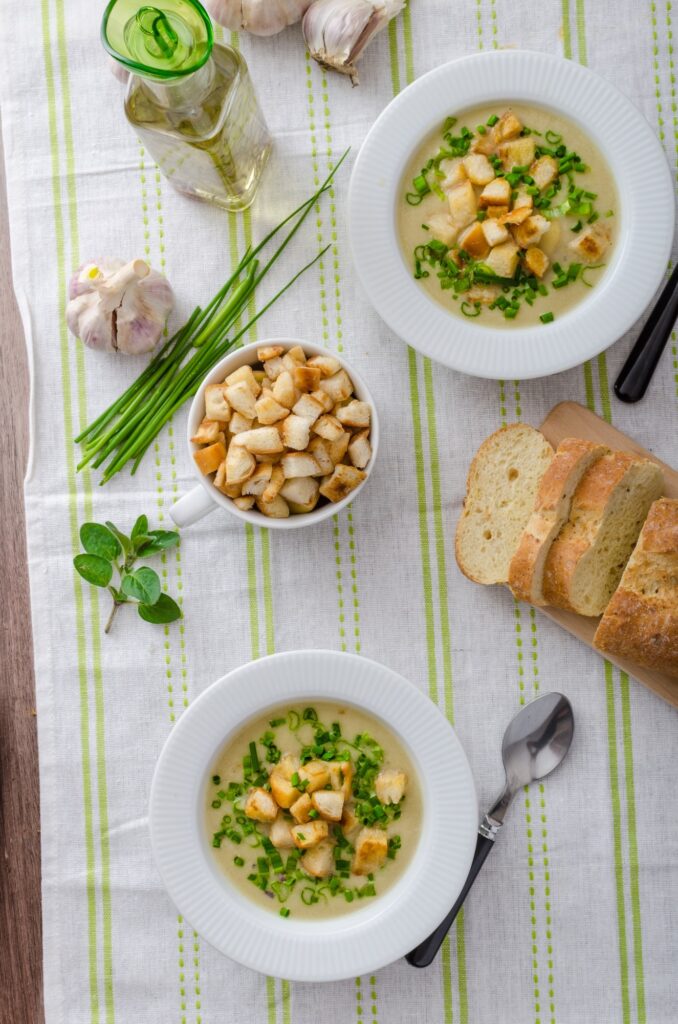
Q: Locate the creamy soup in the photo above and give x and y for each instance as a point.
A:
(313, 811)
(507, 215)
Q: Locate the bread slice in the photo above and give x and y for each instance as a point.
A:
(585, 563)
(641, 620)
(500, 491)
(551, 511)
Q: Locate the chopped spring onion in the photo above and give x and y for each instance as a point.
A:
(471, 310)
(491, 121)
(284, 911)
(553, 138)
(547, 318)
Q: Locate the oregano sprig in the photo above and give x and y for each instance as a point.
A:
(108, 549)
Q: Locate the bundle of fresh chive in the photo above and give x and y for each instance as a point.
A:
(124, 432)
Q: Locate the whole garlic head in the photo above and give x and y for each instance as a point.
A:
(337, 31)
(260, 17)
(115, 306)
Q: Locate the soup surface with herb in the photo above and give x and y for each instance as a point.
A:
(312, 811)
(507, 215)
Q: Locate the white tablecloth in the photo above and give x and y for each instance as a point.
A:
(575, 917)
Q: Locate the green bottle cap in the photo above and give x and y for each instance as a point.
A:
(165, 41)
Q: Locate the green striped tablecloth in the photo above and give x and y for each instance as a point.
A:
(575, 919)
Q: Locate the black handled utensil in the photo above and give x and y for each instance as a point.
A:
(636, 373)
(535, 742)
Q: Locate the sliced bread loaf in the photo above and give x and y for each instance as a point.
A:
(641, 620)
(500, 492)
(586, 561)
(551, 511)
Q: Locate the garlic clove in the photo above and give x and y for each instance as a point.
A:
(260, 17)
(337, 31)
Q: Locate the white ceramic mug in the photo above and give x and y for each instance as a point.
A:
(205, 497)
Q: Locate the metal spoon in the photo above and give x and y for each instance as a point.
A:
(535, 743)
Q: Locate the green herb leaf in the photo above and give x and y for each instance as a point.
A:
(95, 569)
(158, 540)
(98, 540)
(164, 610)
(139, 533)
(142, 584)
(125, 542)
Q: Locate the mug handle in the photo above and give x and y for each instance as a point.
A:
(192, 507)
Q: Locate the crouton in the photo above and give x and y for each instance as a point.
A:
(274, 367)
(301, 494)
(370, 851)
(497, 193)
(296, 432)
(295, 355)
(337, 449)
(240, 464)
(269, 411)
(454, 172)
(288, 765)
(518, 215)
(344, 479)
(531, 231)
(323, 399)
(308, 407)
(355, 414)
(483, 293)
(497, 211)
(328, 427)
(349, 822)
(299, 464)
(473, 241)
(244, 502)
(318, 450)
(261, 440)
(260, 805)
(590, 245)
(389, 785)
(523, 201)
(483, 144)
(274, 485)
(239, 423)
(544, 171)
(518, 153)
(536, 261)
(503, 259)
(443, 227)
(241, 399)
(230, 490)
(301, 808)
(318, 861)
(281, 834)
(216, 406)
(478, 168)
(360, 449)
(494, 231)
(207, 433)
(284, 793)
(269, 352)
(244, 375)
(259, 480)
(507, 127)
(338, 386)
(463, 204)
(306, 378)
(329, 804)
(341, 777)
(284, 391)
(209, 459)
(316, 774)
(309, 834)
(276, 509)
(327, 365)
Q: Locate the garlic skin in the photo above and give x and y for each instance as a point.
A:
(337, 31)
(260, 17)
(115, 306)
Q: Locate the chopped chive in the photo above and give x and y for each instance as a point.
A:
(239, 862)
(216, 804)
(553, 138)
(216, 841)
(547, 318)
(510, 313)
(491, 121)
(284, 911)
(449, 123)
(481, 129)
(216, 779)
(576, 228)
(275, 722)
(254, 756)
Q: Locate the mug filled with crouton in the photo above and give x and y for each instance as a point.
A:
(282, 433)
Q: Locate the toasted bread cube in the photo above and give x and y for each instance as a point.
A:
(309, 834)
(495, 232)
(473, 241)
(301, 494)
(523, 201)
(463, 204)
(274, 485)
(497, 211)
(269, 411)
(216, 406)
(344, 480)
(274, 367)
(455, 174)
(308, 407)
(240, 464)
(478, 169)
(269, 352)
(299, 464)
(318, 861)
(276, 509)
(260, 440)
(443, 227)
(244, 375)
(241, 399)
(337, 449)
(544, 171)
(484, 144)
(355, 414)
(370, 851)
(531, 231)
(518, 153)
(306, 378)
(239, 423)
(318, 449)
(338, 386)
(349, 822)
(507, 127)
(329, 804)
(518, 215)
(297, 355)
(503, 259)
(389, 785)
(291, 362)
(284, 793)
(220, 479)
(360, 449)
(296, 432)
(323, 399)
(483, 293)
(281, 834)
(207, 433)
(288, 765)
(260, 805)
(209, 459)
(590, 245)
(316, 773)
(536, 261)
(284, 391)
(257, 483)
(327, 365)
(328, 427)
(301, 809)
(244, 502)
(498, 192)
(341, 777)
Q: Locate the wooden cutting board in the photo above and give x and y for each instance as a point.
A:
(572, 420)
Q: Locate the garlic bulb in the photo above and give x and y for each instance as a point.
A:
(260, 17)
(337, 31)
(115, 306)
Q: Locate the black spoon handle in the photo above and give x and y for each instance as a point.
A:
(426, 951)
(636, 373)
